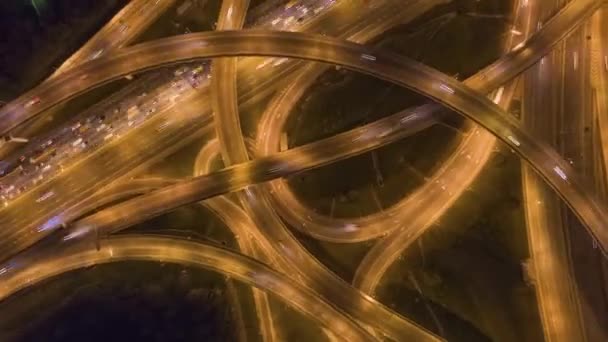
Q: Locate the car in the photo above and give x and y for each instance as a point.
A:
(47, 143)
(163, 125)
(45, 196)
(96, 54)
(32, 102)
(446, 88)
(368, 57)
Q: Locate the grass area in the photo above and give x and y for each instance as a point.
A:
(477, 247)
(341, 100)
(190, 221)
(424, 311)
(156, 301)
(180, 164)
(35, 43)
(342, 259)
(358, 191)
(291, 325)
(167, 292)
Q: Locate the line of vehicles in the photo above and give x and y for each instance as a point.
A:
(294, 12)
(41, 160)
(49, 155)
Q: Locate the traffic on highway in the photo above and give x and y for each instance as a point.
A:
(230, 98)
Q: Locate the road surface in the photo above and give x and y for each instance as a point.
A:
(549, 266)
(240, 267)
(146, 144)
(451, 93)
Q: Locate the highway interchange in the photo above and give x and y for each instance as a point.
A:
(62, 209)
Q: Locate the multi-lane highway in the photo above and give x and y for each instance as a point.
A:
(236, 172)
(543, 112)
(451, 93)
(259, 229)
(391, 315)
(599, 77)
(168, 132)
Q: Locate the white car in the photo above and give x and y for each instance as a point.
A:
(96, 54)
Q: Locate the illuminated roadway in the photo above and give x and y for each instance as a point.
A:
(233, 129)
(14, 112)
(178, 192)
(246, 175)
(227, 211)
(599, 80)
(201, 255)
(270, 128)
(141, 147)
(136, 16)
(422, 79)
(600, 76)
(342, 295)
(413, 216)
(223, 86)
(543, 111)
(125, 26)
